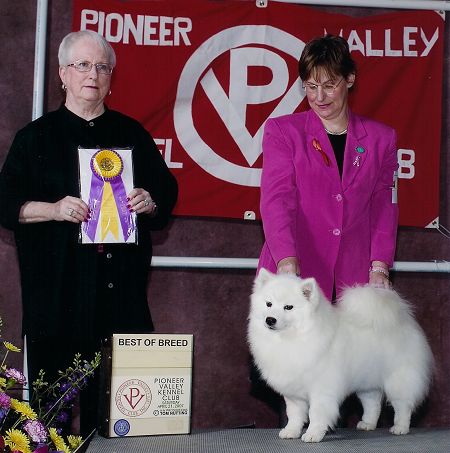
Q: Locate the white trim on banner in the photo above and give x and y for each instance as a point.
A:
(433, 5)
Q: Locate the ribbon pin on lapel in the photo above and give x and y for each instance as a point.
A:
(359, 150)
(317, 147)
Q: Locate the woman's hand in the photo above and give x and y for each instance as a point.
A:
(141, 202)
(70, 209)
(379, 275)
(288, 265)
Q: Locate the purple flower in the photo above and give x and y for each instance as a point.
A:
(41, 449)
(70, 395)
(63, 417)
(3, 412)
(5, 401)
(12, 373)
(36, 430)
(64, 387)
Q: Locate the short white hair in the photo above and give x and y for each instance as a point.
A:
(72, 38)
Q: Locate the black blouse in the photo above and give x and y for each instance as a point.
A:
(338, 144)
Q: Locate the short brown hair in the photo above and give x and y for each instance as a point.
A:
(329, 53)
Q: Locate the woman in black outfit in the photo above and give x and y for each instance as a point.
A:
(75, 295)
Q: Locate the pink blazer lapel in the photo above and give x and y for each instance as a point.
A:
(355, 154)
(318, 145)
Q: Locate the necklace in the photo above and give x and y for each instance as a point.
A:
(336, 133)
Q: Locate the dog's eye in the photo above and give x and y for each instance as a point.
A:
(288, 307)
(268, 304)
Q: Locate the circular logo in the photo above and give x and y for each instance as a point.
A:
(247, 39)
(121, 427)
(133, 397)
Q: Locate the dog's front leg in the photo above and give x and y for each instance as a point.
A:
(297, 414)
(323, 413)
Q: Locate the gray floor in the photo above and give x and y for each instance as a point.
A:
(267, 441)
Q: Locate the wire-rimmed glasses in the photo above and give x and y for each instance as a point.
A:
(86, 66)
(328, 87)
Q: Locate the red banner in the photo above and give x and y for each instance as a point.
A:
(203, 76)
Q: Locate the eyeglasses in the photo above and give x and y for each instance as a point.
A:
(86, 66)
(327, 87)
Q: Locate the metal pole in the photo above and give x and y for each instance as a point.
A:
(39, 58)
(251, 263)
(38, 107)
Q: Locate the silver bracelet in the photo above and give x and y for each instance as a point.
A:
(379, 270)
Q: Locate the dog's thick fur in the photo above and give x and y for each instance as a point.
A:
(315, 354)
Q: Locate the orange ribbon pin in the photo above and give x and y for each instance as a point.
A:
(317, 147)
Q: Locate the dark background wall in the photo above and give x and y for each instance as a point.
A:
(213, 304)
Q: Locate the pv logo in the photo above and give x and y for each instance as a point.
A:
(245, 46)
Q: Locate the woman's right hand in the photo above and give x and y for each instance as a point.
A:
(70, 209)
(288, 265)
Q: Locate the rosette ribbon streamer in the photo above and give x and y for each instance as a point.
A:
(107, 197)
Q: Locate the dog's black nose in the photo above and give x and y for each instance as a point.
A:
(270, 321)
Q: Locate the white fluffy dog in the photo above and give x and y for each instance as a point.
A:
(315, 354)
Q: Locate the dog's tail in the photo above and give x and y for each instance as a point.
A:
(384, 311)
(378, 308)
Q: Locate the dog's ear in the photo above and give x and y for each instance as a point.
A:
(309, 289)
(262, 278)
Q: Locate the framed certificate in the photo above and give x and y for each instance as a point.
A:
(106, 177)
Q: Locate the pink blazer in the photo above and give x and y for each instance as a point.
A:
(335, 227)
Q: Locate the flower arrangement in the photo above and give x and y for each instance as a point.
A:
(35, 426)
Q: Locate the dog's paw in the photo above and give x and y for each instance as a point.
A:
(364, 426)
(399, 430)
(313, 435)
(287, 433)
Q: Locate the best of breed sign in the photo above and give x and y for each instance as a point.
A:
(150, 385)
(203, 77)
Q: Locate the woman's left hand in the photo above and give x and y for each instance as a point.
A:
(379, 275)
(379, 280)
(141, 202)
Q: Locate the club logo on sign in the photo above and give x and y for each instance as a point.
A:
(133, 397)
(248, 46)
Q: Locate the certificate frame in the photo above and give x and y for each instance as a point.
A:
(105, 179)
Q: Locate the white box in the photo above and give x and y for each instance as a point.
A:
(150, 385)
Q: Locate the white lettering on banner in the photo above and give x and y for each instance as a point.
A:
(166, 152)
(406, 159)
(410, 37)
(243, 44)
(145, 30)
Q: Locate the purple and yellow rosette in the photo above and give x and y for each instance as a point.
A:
(107, 197)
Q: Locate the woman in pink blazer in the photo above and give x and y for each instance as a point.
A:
(328, 199)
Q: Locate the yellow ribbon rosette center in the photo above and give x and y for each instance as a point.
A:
(108, 165)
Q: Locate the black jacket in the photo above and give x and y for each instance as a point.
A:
(67, 286)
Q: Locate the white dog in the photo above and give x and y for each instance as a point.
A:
(315, 354)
